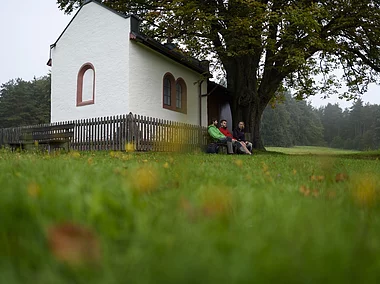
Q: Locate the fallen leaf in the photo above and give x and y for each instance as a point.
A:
(238, 163)
(341, 177)
(74, 244)
(365, 191)
(304, 190)
(217, 203)
(317, 178)
(315, 193)
(188, 209)
(34, 189)
(145, 179)
(129, 147)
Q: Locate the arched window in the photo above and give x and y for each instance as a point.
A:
(174, 93)
(167, 91)
(181, 95)
(86, 85)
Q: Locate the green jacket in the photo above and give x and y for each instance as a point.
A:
(214, 132)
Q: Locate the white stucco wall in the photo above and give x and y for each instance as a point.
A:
(100, 37)
(147, 69)
(128, 75)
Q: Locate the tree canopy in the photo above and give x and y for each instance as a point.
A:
(290, 123)
(263, 45)
(25, 102)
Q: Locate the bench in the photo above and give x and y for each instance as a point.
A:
(53, 137)
(219, 146)
(216, 148)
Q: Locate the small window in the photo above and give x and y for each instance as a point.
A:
(86, 85)
(181, 95)
(178, 96)
(167, 91)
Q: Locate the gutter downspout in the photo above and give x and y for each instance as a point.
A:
(200, 102)
(200, 134)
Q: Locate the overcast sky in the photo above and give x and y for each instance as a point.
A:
(28, 27)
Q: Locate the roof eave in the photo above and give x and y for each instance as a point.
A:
(182, 59)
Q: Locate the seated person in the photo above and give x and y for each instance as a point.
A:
(239, 135)
(240, 145)
(217, 136)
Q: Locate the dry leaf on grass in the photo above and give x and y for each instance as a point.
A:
(74, 244)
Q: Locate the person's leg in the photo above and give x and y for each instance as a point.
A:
(238, 146)
(230, 148)
(235, 146)
(244, 148)
(249, 146)
(228, 141)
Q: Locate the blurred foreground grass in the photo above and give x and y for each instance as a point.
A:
(188, 218)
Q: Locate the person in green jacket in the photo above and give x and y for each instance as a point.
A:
(218, 136)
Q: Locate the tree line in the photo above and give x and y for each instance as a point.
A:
(294, 122)
(25, 102)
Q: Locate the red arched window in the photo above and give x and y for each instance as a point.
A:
(181, 95)
(174, 93)
(86, 85)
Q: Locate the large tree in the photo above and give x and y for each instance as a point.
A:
(263, 44)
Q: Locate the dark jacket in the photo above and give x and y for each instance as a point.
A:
(239, 134)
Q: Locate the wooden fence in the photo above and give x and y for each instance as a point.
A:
(125, 132)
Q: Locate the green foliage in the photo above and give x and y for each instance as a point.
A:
(205, 218)
(291, 123)
(354, 128)
(25, 103)
(337, 142)
(376, 129)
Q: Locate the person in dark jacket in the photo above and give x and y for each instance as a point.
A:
(239, 134)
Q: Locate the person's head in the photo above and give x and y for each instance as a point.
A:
(223, 123)
(214, 121)
(241, 125)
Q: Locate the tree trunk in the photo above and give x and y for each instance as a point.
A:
(251, 115)
(249, 99)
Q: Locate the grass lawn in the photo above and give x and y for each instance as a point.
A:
(112, 217)
(311, 150)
